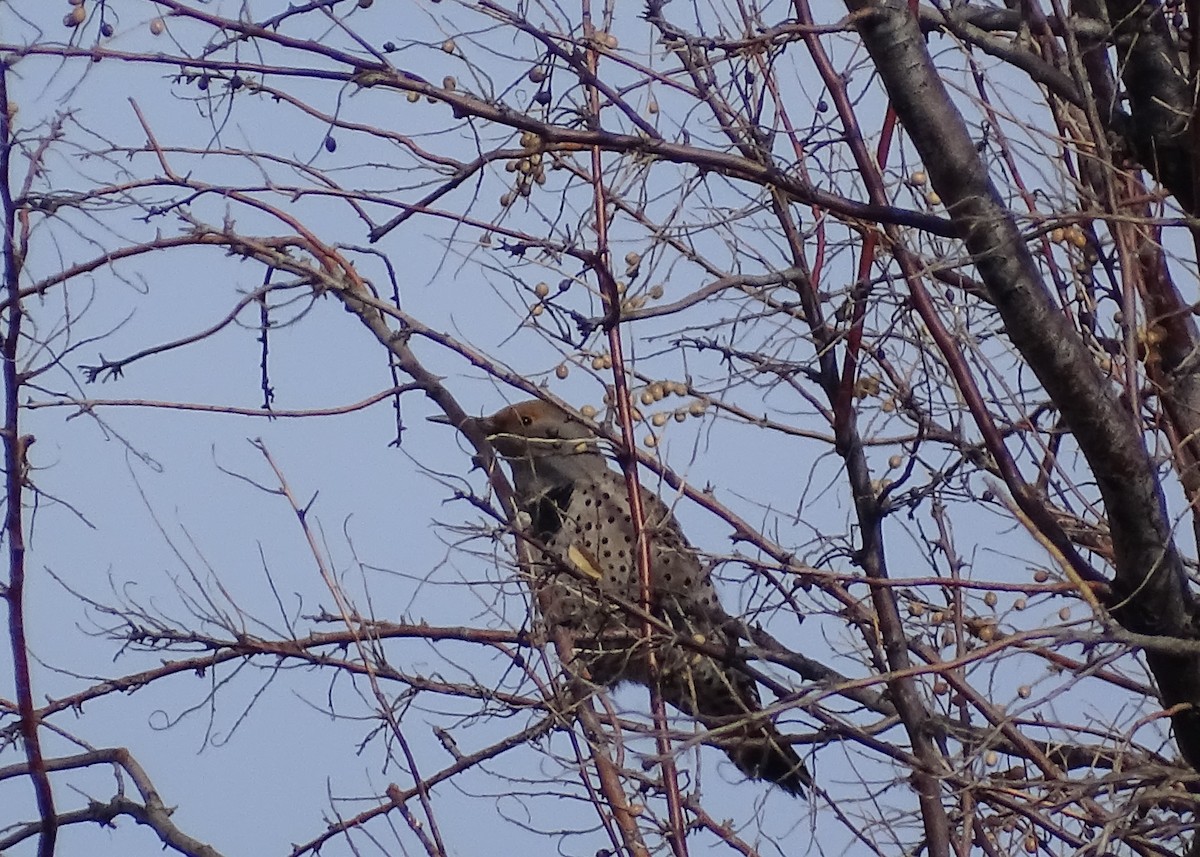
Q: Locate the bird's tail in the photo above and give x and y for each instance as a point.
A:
(761, 754)
(726, 702)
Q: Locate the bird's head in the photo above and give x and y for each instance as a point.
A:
(537, 429)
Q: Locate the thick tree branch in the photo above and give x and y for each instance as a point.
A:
(1152, 595)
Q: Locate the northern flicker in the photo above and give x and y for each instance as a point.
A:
(579, 510)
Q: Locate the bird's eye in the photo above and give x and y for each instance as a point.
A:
(526, 420)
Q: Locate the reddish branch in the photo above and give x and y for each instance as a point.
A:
(16, 470)
(627, 457)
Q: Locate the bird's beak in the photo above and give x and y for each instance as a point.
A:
(442, 419)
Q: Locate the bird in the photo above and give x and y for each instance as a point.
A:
(578, 512)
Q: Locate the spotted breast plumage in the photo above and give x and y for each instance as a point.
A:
(588, 580)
